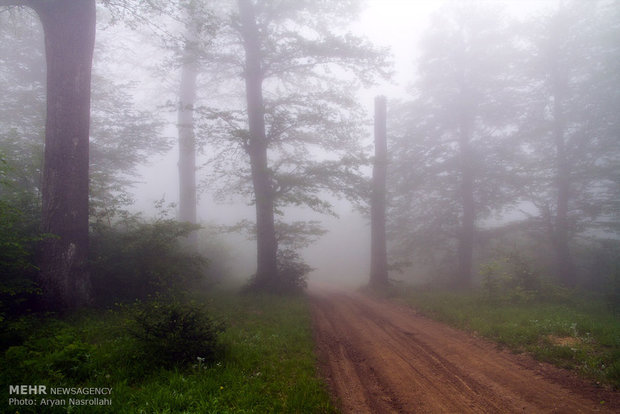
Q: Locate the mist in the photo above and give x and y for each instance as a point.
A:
(143, 60)
(310, 205)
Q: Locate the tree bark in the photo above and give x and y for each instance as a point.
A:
(564, 264)
(266, 244)
(187, 139)
(468, 220)
(69, 28)
(378, 248)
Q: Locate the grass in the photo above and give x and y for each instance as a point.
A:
(578, 332)
(266, 364)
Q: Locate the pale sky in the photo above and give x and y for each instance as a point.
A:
(399, 25)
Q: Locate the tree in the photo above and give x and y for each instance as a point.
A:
(182, 32)
(198, 23)
(448, 168)
(120, 135)
(266, 271)
(378, 250)
(187, 143)
(69, 42)
(287, 56)
(570, 126)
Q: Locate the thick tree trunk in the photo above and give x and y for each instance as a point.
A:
(267, 247)
(378, 248)
(69, 27)
(187, 140)
(468, 219)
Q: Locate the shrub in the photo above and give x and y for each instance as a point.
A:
(59, 356)
(176, 334)
(18, 237)
(134, 259)
(292, 272)
(510, 279)
(613, 291)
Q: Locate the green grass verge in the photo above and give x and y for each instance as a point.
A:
(578, 333)
(267, 364)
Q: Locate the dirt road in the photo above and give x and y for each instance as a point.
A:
(379, 357)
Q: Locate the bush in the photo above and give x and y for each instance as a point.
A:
(510, 279)
(292, 273)
(613, 291)
(134, 259)
(176, 334)
(18, 238)
(58, 355)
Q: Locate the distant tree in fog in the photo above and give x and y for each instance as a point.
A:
(200, 26)
(452, 141)
(570, 124)
(378, 243)
(295, 62)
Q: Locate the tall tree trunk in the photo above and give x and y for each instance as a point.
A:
(69, 28)
(378, 248)
(187, 140)
(564, 265)
(468, 223)
(266, 244)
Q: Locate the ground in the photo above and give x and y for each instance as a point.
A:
(379, 357)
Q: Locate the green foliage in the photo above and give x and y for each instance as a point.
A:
(172, 333)
(268, 364)
(613, 290)
(134, 258)
(292, 272)
(572, 330)
(18, 237)
(16, 247)
(510, 279)
(55, 354)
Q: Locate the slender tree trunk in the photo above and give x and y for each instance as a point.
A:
(378, 248)
(187, 140)
(564, 265)
(468, 224)
(69, 27)
(267, 247)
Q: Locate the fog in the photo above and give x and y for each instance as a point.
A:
(342, 254)
(443, 72)
(310, 205)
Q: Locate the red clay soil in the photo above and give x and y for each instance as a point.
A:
(379, 357)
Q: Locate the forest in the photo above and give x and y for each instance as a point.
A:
(208, 205)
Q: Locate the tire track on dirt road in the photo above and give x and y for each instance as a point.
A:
(378, 357)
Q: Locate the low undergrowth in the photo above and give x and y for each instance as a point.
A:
(577, 331)
(263, 361)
